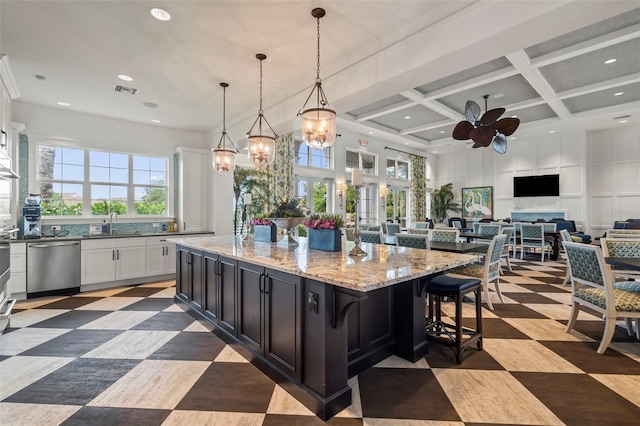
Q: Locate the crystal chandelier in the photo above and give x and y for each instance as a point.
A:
(261, 147)
(318, 123)
(224, 159)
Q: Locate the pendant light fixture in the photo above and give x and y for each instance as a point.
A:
(261, 147)
(224, 159)
(318, 123)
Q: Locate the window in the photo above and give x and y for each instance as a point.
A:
(397, 169)
(366, 204)
(316, 200)
(361, 160)
(76, 181)
(396, 206)
(306, 156)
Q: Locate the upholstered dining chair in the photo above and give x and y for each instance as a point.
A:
(350, 233)
(566, 236)
(489, 231)
(489, 271)
(517, 229)
(371, 237)
(532, 237)
(593, 286)
(421, 225)
(623, 233)
(376, 228)
(393, 229)
(412, 240)
(449, 235)
(418, 231)
(620, 247)
(508, 231)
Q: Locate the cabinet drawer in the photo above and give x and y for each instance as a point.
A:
(18, 248)
(158, 241)
(18, 262)
(130, 242)
(105, 243)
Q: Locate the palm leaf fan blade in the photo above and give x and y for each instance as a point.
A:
(461, 131)
(491, 116)
(472, 112)
(483, 135)
(507, 126)
(499, 143)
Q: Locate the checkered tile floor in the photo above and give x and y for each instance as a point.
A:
(130, 356)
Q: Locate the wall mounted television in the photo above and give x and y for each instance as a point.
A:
(536, 186)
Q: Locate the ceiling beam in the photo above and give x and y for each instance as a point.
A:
(473, 82)
(602, 85)
(382, 131)
(398, 106)
(524, 104)
(424, 127)
(521, 61)
(433, 105)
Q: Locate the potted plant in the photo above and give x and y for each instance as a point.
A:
(287, 215)
(324, 231)
(442, 201)
(264, 229)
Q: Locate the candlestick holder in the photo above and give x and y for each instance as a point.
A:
(356, 250)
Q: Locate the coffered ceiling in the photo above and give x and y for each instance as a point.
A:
(397, 70)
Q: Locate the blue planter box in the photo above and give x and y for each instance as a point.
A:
(325, 239)
(265, 233)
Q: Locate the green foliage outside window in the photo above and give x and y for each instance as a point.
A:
(56, 206)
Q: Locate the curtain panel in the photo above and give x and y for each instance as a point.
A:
(280, 178)
(418, 188)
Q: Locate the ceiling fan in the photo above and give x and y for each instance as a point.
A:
(485, 130)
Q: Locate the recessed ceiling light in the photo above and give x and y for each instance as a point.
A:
(406, 117)
(406, 143)
(513, 137)
(441, 131)
(155, 121)
(498, 95)
(552, 131)
(623, 121)
(370, 133)
(160, 14)
(125, 77)
(610, 61)
(40, 77)
(514, 116)
(618, 93)
(150, 105)
(64, 104)
(435, 152)
(469, 146)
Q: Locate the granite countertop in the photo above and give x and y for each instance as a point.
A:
(102, 237)
(383, 266)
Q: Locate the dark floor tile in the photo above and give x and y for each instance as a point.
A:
(443, 356)
(584, 356)
(189, 346)
(551, 280)
(102, 416)
(76, 383)
(595, 329)
(69, 303)
(515, 310)
(531, 298)
(3, 357)
(246, 390)
(73, 344)
(72, 319)
(496, 328)
(546, 288)
(578, 399)
(398, 393)
(154, 304)
(140, 292)
(279, 420)
(167, 321)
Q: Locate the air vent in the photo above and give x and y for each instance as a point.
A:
(124, 89)
(622, 116)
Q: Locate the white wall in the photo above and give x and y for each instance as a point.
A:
(599, 174)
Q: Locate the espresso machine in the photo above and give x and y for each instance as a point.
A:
(31, 217)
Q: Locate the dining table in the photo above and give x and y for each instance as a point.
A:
(629, 263)
(555, 248)
(458, 247)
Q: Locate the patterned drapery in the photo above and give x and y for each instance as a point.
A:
(418, 188)
(281, 170)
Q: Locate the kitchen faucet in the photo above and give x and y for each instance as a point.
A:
(111, 222)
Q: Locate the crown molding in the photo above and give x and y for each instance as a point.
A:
(7, 78)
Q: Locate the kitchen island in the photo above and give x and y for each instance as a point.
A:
(312, 317)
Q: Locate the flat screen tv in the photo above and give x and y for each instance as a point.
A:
(536, 186)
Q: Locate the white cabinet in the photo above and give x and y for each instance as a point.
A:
(113, 259)
(161, 256)
(17, 285)
(193, 189)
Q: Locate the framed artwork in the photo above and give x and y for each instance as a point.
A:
(477, 202)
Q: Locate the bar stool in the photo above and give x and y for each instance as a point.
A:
(454, 289)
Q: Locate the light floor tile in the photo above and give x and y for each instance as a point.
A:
(397, 362)
(160, 284)
(166, 293)
(542, 268)
(483, 396)
(564, 298)
(535, 274)
(104, 293)
(109, 304)
(399, 422)
(527, 355)
(26, 338)
(355, 409)
(546, 329)
(630, 349)
(132, 344)
(33, 316)
(35, 414)
(196, 326)
(557, 311)
(173, 308)
(152, 384)
(18, 372)
(283, 403)
(212, 418)
(507, 287)
(624, 385)
(518, 279)
(30, 304)
(119, 320)
(228, 354)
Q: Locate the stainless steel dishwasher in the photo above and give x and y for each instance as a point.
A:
(53, 267)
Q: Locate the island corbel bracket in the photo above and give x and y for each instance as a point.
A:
(340, 306)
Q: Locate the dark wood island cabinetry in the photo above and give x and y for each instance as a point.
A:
(315, 318)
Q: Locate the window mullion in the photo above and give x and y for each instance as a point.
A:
(130, 189)
(86, 186)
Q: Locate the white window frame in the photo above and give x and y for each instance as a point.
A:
(360, 153)
(310, 156)
(396, 168)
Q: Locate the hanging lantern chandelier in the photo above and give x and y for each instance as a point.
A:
(318, 123)
(261, 147)
(224, 159)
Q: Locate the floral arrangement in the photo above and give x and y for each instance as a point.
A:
(261, 220)
(287, 208)
(324, 221)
